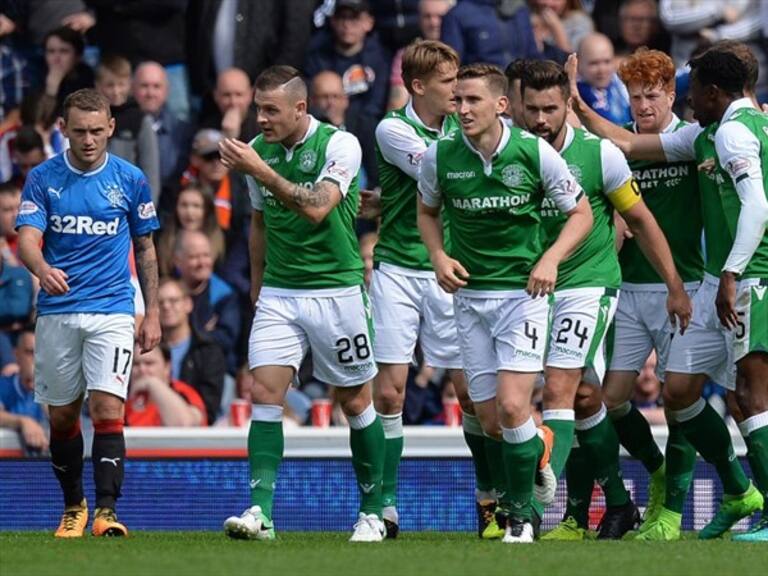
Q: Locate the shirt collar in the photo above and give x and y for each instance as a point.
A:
(79, 172)
(505, 135)
(736, 105)
(411, 113)
(311, 129)
(569, 136)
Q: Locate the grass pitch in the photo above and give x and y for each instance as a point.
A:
(315, 554)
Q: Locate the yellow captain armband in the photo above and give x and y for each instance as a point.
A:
(626, 196)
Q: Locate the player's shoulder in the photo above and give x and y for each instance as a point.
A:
(48, 168)
(123, 172)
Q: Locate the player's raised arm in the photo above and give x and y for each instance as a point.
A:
(560, 186)
(624, 194)
(449, 272)
(635, 146)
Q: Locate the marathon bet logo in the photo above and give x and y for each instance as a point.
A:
(669, 176)
(490, 202)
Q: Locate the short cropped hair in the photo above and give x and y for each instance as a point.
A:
(114, 63)
(743, 53)
(545, 74)
(28, 139)
(423, 57)
(650, 68)
(721, 68)
(515, 69)
(86, 99)
(10, 188)
(276, 77)
(492, 75)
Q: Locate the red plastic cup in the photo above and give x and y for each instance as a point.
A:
(239, 412)
(452, 410)
(321, 412)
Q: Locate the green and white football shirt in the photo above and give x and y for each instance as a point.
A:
(494, 208)
(600, 168)
(401, 140)
(741, 143)
(670, 191)
(301, 255)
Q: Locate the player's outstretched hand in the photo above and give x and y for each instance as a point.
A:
(370, 204)
(149, 333)
(54, 281)
(451, 275)
(726, 301)
(542, 279)
(237, 155)
(680, 309)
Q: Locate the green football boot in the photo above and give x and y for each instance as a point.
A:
(733, 509)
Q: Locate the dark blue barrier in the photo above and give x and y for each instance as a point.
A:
(435, 494)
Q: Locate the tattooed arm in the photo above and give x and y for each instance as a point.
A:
(146, 269)
(313, 203)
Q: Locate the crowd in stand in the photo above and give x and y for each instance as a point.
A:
(179, 77)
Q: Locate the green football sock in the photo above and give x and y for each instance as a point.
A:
(393, 451)
(366, 439)
(635, 435)
(265, 452)
(562, 424)
(581, 481)
(680, 465)
(707, 432)
(599, 441)
(475, 439)
(494, 452)
(522, 449)
(756, 437)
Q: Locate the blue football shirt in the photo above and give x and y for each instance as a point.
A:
(88, 220)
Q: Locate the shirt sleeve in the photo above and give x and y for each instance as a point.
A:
(678, 145)
(429, 188)
(142, 217)
(33, 210)
(738, 151)
(342, 160)
(559, 184)
(618, 184)
(255, 193)
(400, 145)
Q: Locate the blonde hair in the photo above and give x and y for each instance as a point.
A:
(423, 58)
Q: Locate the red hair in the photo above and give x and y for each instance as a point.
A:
(650, 68)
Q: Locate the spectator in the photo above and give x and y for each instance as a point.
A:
(16, 296)
(244, 34)
(208, 172)
(134, 138)
(215, 310)
(14, 81)
(195, 358)
(36, 111)
(195, 211)
(490, 31)
(551, 40)
(233, 114)
(575, 22)
(18, 410)
(692, 22)
(147, 30)
(397, 22)
(431, 14)
(155, 398)
(599, 84)
(10, 199)
(67, 72)
(8, 365)
(327, 100)
(150, 89)
(35, 19)
(28, 152)
(639, 26)
(353, 51)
